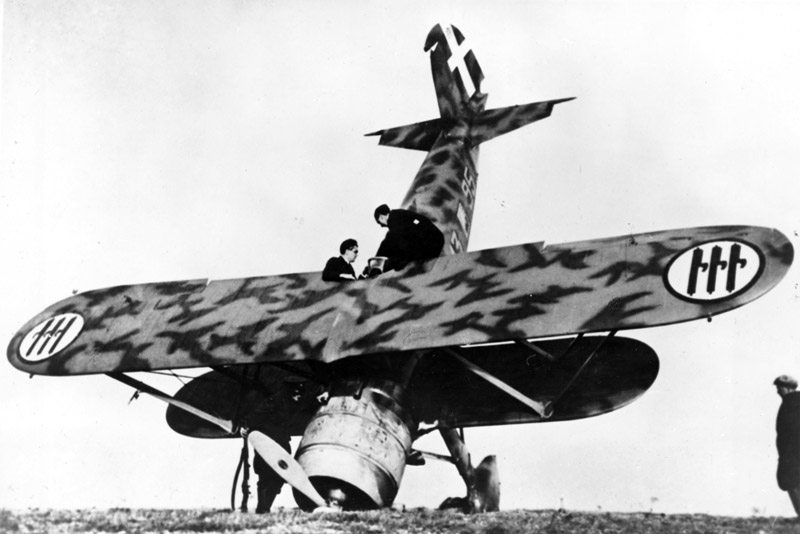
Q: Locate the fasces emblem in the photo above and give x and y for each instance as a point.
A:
(714, 271)
(49, 337)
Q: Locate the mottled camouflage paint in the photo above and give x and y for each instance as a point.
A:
(435, 313)
(503, 294)
(510, 293)
(445, 187)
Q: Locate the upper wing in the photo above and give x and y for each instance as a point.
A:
(183, 324)
(530, 291)
(509, 293)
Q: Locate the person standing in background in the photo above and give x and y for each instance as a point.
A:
(787, 439)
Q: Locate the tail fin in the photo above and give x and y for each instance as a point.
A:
(457, 79)
(457, 75)
(444, 188)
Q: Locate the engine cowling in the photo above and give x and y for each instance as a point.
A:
(354, 449)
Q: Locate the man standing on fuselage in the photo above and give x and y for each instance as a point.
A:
(411, 237)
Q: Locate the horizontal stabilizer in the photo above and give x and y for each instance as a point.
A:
(418, 136)
(484, 126)
(495, 122)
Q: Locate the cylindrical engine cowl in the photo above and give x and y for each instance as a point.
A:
(354, 449)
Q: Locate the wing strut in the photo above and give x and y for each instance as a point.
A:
(533, 347)
(580, 369)
(536, 350)
(224, 424)
(273, 454)
(544, 410)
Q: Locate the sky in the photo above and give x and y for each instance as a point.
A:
(171, 140)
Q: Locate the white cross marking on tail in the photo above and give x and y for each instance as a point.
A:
(456, 61)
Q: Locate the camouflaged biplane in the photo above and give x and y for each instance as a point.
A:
(360, 370)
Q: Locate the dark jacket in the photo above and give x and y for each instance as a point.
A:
(335, 267)
(411, 236)
(788, 441)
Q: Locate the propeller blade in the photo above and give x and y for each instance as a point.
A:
(282, 463)
(273, 454)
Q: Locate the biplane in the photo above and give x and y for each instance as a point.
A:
(360, 370)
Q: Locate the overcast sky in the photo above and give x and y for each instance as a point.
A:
(167, 140)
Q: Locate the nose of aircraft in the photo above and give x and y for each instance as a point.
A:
(354, 448)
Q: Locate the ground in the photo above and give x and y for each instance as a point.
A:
(406, 521)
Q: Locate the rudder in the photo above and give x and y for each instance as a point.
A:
(457, 76)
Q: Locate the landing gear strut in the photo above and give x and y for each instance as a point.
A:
(483, 482)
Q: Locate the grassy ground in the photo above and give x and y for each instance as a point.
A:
(410, 521)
